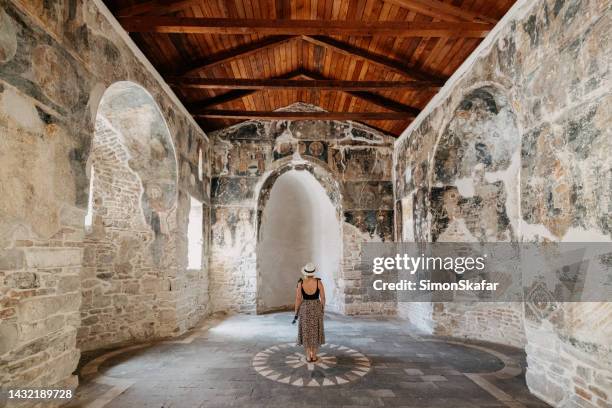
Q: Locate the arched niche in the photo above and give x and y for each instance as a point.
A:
(131, 219)
(298, 221)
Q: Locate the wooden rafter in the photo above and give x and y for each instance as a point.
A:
(283, 115)
(380, 60)
(433, 8)
(154, 8)
(386, 103)
(309, 84)
(443, 11)
(219, 99)
(167, 24)
(232, 95)
(369, 97)
(372, 98)
(241, 51)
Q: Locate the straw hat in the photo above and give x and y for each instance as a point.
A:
(309, 269)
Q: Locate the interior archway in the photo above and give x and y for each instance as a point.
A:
(131, 219)
(298, 225)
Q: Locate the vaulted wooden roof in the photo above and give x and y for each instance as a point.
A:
(374, 61)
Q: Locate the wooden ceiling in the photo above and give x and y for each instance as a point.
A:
(374, 61)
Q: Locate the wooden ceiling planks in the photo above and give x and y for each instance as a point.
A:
(344, 56)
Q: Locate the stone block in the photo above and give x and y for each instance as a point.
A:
(9, 336)
(583, 393)
(69, 283)
(52, 257)
(599, 392)
(40, 328)
(22, 280)
(11, 259)
(37, 308)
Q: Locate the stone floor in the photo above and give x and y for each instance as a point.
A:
(251, 361)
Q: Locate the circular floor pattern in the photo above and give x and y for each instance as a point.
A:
(286, 363)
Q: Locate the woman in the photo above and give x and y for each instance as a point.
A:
(309, 305)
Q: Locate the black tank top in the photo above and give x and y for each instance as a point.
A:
(305, 295)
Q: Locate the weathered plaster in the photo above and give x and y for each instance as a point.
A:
(551, 61)
(56, 61)
(350, 161)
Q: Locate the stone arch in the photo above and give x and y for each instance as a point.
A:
(293, 178)
(131, 220)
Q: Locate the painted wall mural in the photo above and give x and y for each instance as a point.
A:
(518, 149)
(249, 157)
(57, 58)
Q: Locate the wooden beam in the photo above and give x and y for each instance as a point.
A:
(386, 103)
(443, 11)
(372, 98)
(375, 99)
(380, 60)
(241, 51)
(219, 99)
(282, 115)
(154, 8)
(232, 95)
(225, 26)
(310, 84)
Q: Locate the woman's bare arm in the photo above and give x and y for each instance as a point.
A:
(298, 297)
(322, 296)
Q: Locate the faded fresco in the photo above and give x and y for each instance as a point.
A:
(352, 163)
(519, 150)
(67, 288)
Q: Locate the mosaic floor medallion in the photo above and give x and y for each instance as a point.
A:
(286, 363)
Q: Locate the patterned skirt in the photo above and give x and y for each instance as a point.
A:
(310, 328)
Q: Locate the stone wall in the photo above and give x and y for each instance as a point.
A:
(466, 170)
(463, 187)
(352, 163)
(56, 61)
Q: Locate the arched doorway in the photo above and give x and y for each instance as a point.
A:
(298, 223)
(130, 222)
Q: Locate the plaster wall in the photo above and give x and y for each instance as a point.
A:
(298, 226)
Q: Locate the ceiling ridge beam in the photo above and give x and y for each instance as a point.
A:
(442, 11)
(238, 52)
(315, 115)
(377, 59)
(228, 26)
(320, 84)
